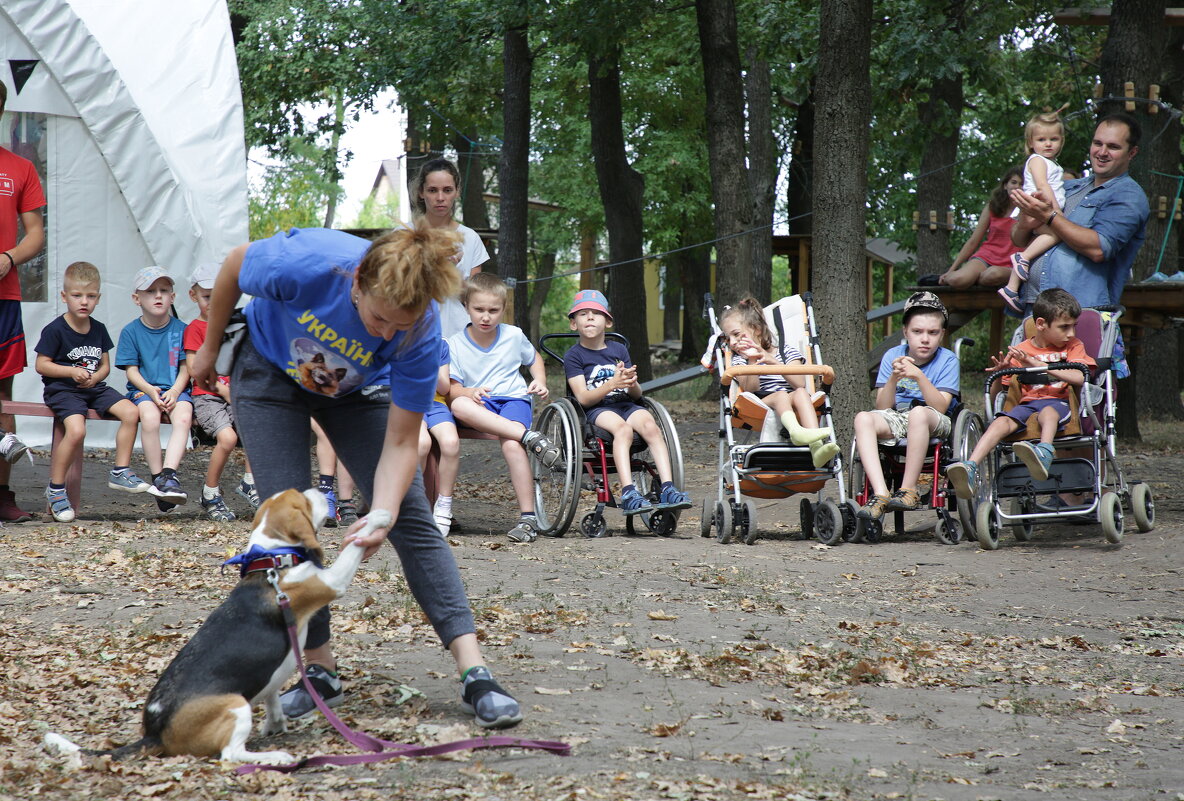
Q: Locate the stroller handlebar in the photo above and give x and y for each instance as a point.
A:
(825, 371)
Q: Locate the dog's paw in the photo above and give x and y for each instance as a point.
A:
(276, 726)
(273, 758)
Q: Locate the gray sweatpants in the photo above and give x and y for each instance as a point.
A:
(272, 412)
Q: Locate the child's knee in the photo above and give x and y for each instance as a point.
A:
(449, 444)
(226, 438)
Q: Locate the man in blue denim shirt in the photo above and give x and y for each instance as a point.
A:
(1101, 226)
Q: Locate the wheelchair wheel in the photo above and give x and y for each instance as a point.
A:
(968, 429)
(707, 519)
(662, 522)
(557, 490)
(1142, 507)
(949, 531)
(593, 526)
(1112, 520)
(986, 526)
(749, 526)
(828, 523)
(1022, 530)
(641, 478)
(806, 516)
(723, 519)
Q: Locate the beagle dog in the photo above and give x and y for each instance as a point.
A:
(242, 655)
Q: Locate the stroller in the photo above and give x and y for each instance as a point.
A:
(756, 458)
(1090, 428)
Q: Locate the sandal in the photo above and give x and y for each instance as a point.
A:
(1012, 299)
(541, 448)
(1020, 265)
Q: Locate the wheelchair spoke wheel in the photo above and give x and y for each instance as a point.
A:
(749, 527)
(828, 523)
(986, 526)
(968, 429)
(673, 446)
(1142, 507)
(723, 519)
(1112, 520)
(557, 489)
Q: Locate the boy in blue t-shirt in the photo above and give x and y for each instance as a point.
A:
(604, 381)
(916, 389)
(73, 359)
(489, 394)
(151, 351)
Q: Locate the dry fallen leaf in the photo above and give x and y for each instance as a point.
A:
(549, 691)
(661, 615)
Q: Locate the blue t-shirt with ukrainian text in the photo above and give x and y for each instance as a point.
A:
(942, 371)
(303, 320)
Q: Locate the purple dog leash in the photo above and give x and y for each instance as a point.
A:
(381, 750)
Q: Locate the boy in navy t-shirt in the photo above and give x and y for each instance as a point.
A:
(151, 351)
(604, 381)
(73, 358)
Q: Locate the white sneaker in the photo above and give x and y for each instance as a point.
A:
(12, 449)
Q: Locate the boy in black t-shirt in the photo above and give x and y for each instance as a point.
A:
(604, 381)
(73, 360)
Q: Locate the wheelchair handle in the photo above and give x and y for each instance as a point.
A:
(573, 335)
(1006, 371)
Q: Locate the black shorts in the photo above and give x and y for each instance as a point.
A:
(65, 401)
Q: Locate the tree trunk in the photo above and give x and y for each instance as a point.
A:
(762, 172)
(799, 198)
(730, 192)
(695, 271)
(332, 174)
(514, 165)
(474, 212)
(545, 268)
(843, 97)
(621, 191)
(672, 300)
(1134, 51)
(940, 117)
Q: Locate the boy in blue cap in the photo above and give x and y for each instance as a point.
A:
(604, 381)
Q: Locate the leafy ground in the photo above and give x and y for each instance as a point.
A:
(677, 668)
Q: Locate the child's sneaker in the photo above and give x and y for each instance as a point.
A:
(1038, 458)
(904, 500)
(486, 700)
(127, 481)
(248, 491)
(297, 702)
(541, 448)
(167, 488)
(164, 506)
(331, 517)
(59, 504)
(673, 498)
(875, 507)
(347, 512)
(1012, 299)
(964, 477)
(525, 530)
(1020, 265)
(634, 501)
(216, 509)
(12, 449)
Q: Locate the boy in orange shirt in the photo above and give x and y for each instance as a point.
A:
(1055, 313)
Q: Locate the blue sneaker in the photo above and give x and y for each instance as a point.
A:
(216, 509)
(331, 517)
(1037, 458)
(964, 477)
(127, 481)
(167, 488)
(248, 491)
(634, 501)
(59, 505)
(673, 498)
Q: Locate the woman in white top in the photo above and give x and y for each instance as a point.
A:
(434, 193)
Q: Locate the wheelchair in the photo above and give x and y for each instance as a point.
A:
(1010, 494)
(588, 459)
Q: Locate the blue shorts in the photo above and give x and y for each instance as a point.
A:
(623, 409)
(12, 339)
(137, 397)
(1022, 411)
(516, 409)
(67, 401)
(438, 414)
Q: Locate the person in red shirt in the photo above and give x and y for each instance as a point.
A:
(1055, 314)
(21, 198)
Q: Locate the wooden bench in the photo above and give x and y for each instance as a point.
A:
(433, 460)
(74, 472)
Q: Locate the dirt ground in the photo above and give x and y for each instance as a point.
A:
(677, 668)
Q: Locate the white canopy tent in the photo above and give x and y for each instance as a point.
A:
(132, 112)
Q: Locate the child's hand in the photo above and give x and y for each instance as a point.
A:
(628, 374)
(538, 388)
(80, 375)
(167, 400)
(478, 394)
(997, 362)
(905, 367)
(1023, 359)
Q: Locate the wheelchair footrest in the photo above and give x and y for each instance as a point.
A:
(1064, 475)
